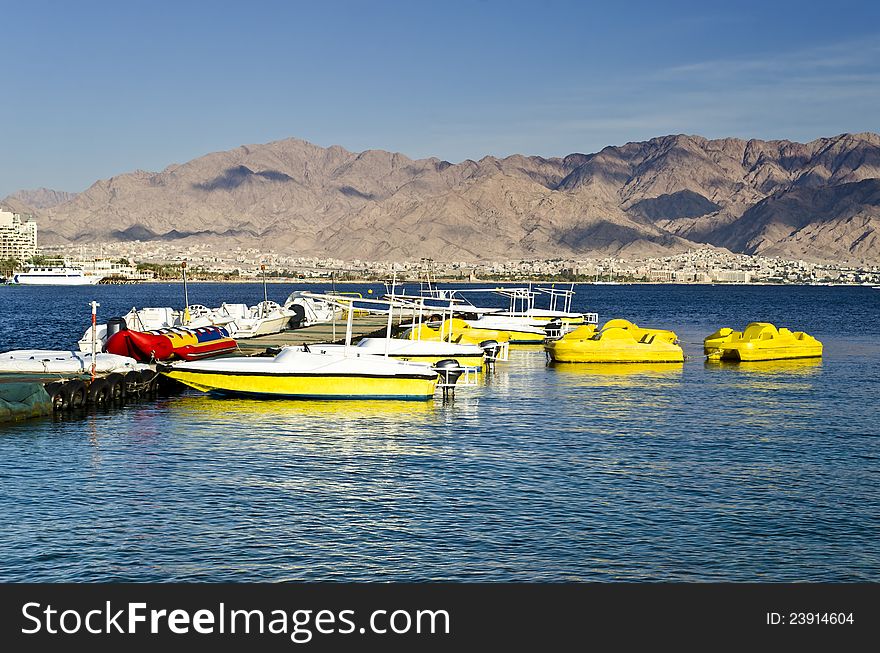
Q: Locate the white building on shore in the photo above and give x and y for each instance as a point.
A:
(18, 238)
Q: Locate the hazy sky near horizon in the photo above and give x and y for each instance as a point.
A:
(94, 89)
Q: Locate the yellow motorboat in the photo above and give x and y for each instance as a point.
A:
(516, 330)
(618, 341)
(299, 374)
(455, 330)
(512, 330)
(760, 341)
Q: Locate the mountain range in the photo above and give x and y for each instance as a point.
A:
(818, 200)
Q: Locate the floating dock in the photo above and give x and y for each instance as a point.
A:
(33, 395)
(22, 397)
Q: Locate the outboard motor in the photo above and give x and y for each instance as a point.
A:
(449, 371)
(491, 348)
(553, 330)
(115, 325)
(299, 316)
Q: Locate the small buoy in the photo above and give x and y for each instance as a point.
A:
(370, 291)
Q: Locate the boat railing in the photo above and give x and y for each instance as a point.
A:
(501, 352)
(556, 294)
(555, 329)
(347, 304)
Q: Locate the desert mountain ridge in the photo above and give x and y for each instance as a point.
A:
(39, 198)
(818, 200)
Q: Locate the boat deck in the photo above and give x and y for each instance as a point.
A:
(362, 326)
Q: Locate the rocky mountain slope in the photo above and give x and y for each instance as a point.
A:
(816, 200)
(40, 198)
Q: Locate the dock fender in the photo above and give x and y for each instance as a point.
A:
(77, 392)
(116, 384)
(59, 394)
(99, 392)
(132, 382)
(151, 382)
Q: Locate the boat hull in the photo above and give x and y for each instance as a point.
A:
(267, 327)
(637, 353)
(52, 280)
(307, 386)
(461, 334)
(752, 354)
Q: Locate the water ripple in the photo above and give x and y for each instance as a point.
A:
(691, 472)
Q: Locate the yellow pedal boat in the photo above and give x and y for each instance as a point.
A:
(760, 341)
(618, 341)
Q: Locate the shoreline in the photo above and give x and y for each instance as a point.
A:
(487, 282)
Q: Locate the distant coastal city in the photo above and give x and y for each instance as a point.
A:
(705, 265)
(135, 261)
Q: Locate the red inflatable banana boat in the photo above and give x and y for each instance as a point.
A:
(177, 342)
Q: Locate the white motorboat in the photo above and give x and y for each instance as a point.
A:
(63, 274)
(305, 309)
(250, 321)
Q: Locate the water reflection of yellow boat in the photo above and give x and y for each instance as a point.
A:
(786, 366)
(339, 427)
(618, 341)
(241, 408)
(760, 341)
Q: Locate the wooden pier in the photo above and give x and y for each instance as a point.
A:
(361, 327)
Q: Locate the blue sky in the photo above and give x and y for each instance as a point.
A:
(93, 89)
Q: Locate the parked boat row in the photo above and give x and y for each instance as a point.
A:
(456, 319)
(456, 338)
(449, 341)
(238, 320)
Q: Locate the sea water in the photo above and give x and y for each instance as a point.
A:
(693, 472)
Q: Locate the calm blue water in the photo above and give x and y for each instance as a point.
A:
(761, 472)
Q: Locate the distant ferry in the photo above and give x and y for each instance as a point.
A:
(59, 275)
